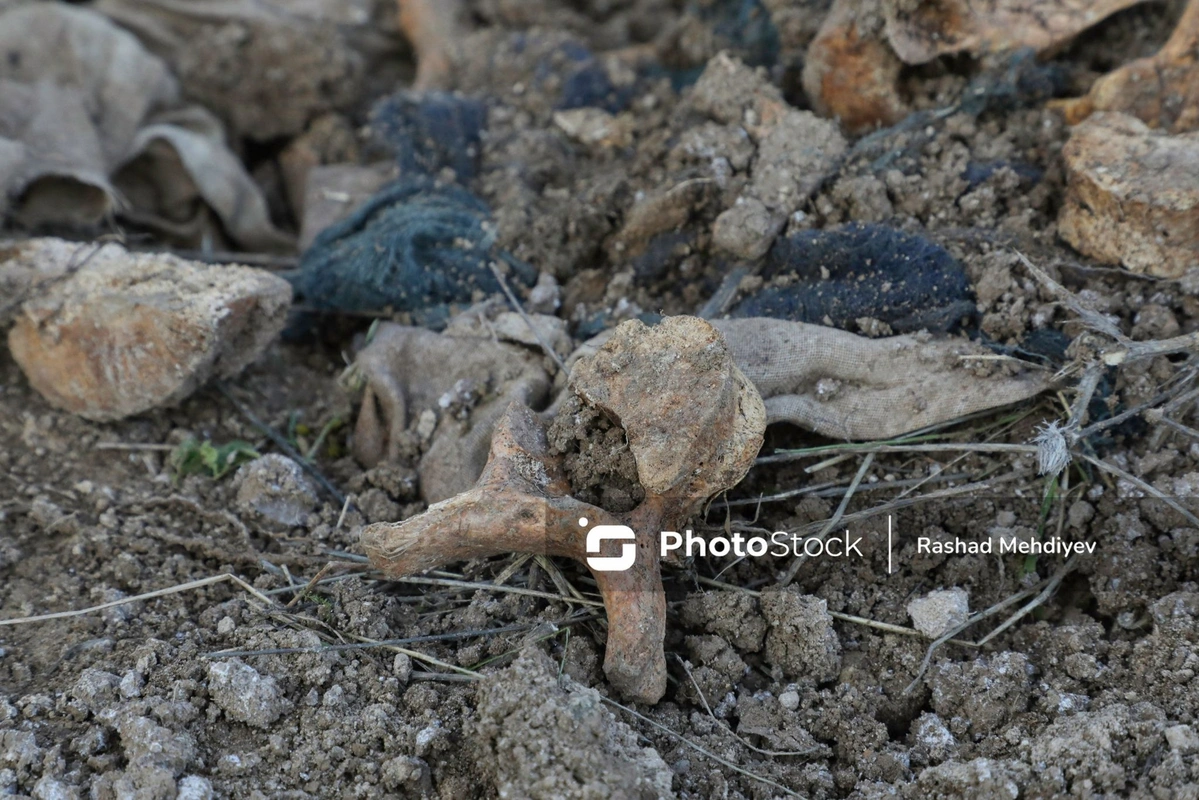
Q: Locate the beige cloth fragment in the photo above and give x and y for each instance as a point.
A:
(826, 380)
(845, 386)
(265, 67)
(81, 120)
(409, 370)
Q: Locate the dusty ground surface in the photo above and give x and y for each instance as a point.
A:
(1092, 694)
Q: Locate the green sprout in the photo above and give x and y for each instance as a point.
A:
(194, 457)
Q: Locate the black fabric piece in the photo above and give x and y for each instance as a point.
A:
(414, 247)
(977, 172)
(428, 131)
(834, 277)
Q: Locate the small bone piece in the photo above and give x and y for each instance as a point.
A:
(853, 65)
(694, 425)
(1161, 90)
(1132, 195)
(125, 332)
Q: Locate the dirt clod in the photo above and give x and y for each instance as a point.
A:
(542, 738)
(801, 641)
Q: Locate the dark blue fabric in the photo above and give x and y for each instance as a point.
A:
(839, 275)
(414, 247)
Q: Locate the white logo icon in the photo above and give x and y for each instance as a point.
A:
(600, 533)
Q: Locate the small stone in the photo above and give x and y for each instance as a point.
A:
(426, 423)
(335, 696)
(938, 612)
(50, 789)
(593, 127)
(402, 666)
(128, 332)
(789, 700)
(226, 626)
(245, 694)
(1183, 739)
(747, 229)
(1132, 195)
(131, 684)
(195, 787)
(275, 487)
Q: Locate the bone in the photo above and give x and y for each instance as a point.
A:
(694, 425)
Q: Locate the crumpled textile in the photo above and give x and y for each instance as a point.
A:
(265, 67)
(91, 125)
(468, 381)
(415, 247)
(829, 381)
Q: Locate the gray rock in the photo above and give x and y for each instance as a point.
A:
(537, 737)
(801, 640)
(274, 488)
(939, 612)
(245, 694)
(194, 787)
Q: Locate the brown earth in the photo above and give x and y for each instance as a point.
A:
(1091, 694)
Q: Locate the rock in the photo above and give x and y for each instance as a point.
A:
(733, 615)
(1101, 750)
(801, 640)
(1132, 196)
(128, 332)
(932, 742)
(938, 612)
(538, 737)
(96, 689)
(850, 72)
(245, 694)
(982, 694)
(19, 752)
(982, 777)
(50, 789)
(747, 229)
(796, 151)
(1182, 739)
(195, 787)
(150, 746)
(275, 488)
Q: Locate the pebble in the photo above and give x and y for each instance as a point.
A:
(275, 488)
(245, 694)
(938, 612)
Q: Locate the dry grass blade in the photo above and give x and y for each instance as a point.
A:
(1144, 486)
(549, 351)
(724, 725)
(1092, 318)
(471, 586)
(183, 587)
(799, 561)
(1051, 586)
(680, 737)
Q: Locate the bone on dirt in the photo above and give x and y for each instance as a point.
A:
(1132, 195)
(694, 424)
(853, 65)
(127, 332)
